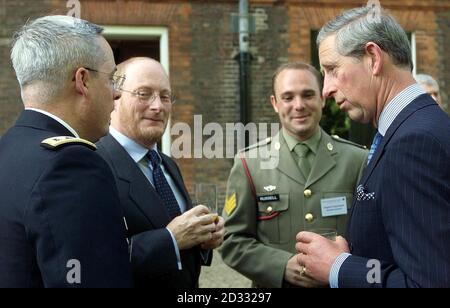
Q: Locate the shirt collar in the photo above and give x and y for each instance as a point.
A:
(312, 142)
(396, 105)
(134, 149)
(58, 119)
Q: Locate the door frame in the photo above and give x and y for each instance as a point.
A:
(146, 33)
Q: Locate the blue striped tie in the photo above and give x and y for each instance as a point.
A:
(161, 185)
(376, 141)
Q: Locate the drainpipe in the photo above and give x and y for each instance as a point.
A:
(244, 64)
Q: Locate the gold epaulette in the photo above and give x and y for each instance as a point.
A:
(55, 143)
(339, 139)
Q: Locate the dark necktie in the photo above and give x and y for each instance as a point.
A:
(161, 185)
(376, 141)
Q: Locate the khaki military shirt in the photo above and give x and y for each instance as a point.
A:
(260, 234)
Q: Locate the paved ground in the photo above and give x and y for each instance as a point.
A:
(219, 275)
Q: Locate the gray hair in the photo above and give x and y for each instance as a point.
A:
(427, 79)
(48, 49)
(354, 28)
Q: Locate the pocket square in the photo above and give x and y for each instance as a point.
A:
(363, 195)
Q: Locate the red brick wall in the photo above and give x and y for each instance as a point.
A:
(204, 73)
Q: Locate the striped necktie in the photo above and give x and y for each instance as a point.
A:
(162, 186)
(376, 141)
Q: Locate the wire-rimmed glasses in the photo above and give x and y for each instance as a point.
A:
(116, 80)
(149, 96)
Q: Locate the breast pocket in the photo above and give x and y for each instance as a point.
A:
(274, 221)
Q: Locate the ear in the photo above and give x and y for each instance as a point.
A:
(274, 103)
(375, 57)
(82, 81)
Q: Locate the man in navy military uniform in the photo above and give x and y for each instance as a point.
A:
(60, 221)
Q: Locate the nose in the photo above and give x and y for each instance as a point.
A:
(329, 88)
(298, 102)
(156, 103)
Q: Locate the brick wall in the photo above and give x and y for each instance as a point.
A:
(202, 47)
(13, 14)
(443, 48)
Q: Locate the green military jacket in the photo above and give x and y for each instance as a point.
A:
(260, 234)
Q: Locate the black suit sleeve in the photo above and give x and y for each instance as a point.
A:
(74, 218)
(153, 254)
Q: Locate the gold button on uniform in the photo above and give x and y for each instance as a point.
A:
(309, 217)
(307, 193)
(269, 209)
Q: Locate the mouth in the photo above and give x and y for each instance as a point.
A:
(153, 121)
(300, 117)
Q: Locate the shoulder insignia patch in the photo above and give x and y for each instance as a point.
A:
(342, 140)
(55, 143)
(230, 204)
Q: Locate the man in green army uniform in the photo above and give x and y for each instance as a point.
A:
(301, 179)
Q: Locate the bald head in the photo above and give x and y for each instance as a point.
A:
(431, 86)
(137, 61)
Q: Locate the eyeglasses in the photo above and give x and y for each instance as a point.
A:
(116, 80)
(149, 96)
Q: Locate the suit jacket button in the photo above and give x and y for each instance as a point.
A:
(269, 209)
(307, 193)
(309, 217)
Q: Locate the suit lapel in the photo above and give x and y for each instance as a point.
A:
(415, 105)
(286, 163)
(140, 190)
(324, 160)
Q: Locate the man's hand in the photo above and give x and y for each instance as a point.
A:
(317, 254)
(217, 235)
(295, 276)
(193, 227)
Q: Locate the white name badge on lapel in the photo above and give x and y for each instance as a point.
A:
(334, 206)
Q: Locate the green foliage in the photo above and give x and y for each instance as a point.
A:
(334, 121)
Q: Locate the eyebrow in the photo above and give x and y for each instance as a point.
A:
(303, 92)
(327, 66)
(149, 88)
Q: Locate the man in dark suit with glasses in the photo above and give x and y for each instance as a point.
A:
(170, 239)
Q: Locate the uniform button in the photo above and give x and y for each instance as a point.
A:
(269, 209)
(307, 193)
(309, 217)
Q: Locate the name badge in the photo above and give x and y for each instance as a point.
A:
(334, 206)
(269, 198)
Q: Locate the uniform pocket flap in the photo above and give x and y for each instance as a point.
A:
(270, 203)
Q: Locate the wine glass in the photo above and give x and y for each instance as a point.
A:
(206, 194)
